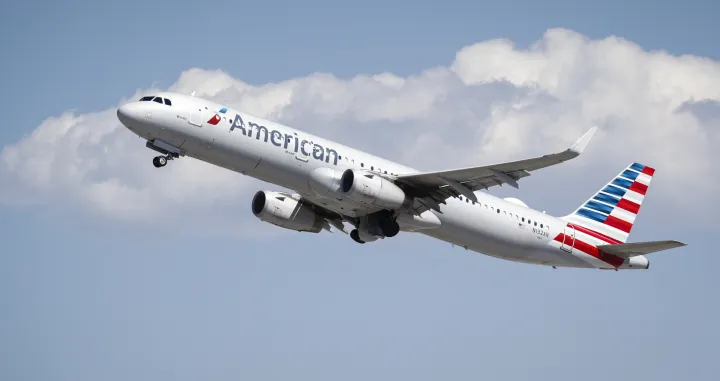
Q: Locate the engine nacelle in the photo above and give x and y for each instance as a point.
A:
(286, 212)
(325, 181)
(369, 188)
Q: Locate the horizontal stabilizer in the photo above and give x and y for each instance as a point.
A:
(627, 250)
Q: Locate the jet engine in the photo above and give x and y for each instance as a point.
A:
(369, 188)
(284, 211)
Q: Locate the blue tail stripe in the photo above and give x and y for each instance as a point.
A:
(606, 198)
(614, 190)
(622, 183)
(600, 207)
(591, 215)
(637, 167)
(632, 175)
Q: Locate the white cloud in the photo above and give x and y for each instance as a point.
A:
(493, 102)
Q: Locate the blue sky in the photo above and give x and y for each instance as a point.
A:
(84, 297)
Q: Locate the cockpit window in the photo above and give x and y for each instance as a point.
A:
(156, 99)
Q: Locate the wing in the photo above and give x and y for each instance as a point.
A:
(431, 188)
(627, 250)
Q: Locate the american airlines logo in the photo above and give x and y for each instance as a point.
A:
(287, 141)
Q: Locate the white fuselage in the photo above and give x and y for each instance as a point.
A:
(274, 153)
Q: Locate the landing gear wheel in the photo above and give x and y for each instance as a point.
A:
(159, 161)
(356, 236)
(390, 228)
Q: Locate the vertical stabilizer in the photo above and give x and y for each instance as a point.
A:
(609, 215)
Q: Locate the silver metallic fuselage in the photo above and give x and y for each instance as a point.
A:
(478, 227)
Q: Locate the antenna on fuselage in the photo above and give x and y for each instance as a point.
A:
(192, 94)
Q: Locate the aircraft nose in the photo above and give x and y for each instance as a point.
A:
(128, 113)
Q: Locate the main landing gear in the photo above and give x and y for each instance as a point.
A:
(390, 228)
(355, 235)
(377, 225)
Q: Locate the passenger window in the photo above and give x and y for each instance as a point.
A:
(158, 100)
(498, 211)
(145, 99)
(362, 165)
(541, 226)
(167, 102)
(535, 223)
(523, 220)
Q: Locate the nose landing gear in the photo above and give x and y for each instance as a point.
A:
(169, 152)
(161, 161)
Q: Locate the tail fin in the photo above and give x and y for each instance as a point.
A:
(609, 215)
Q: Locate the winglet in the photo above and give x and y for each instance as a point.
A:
(581, 143)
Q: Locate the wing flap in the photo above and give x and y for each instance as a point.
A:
(627, 250)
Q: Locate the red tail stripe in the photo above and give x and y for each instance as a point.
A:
(595, 234)
(618, 224)
(612, 260)
(586, 248)
(648, 171)
(639, 188)
(628, 205)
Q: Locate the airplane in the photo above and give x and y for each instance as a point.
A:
(371, 198)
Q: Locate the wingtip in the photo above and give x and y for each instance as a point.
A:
(582, 143)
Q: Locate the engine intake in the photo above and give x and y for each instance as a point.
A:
(370, 188)
(286, 212)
